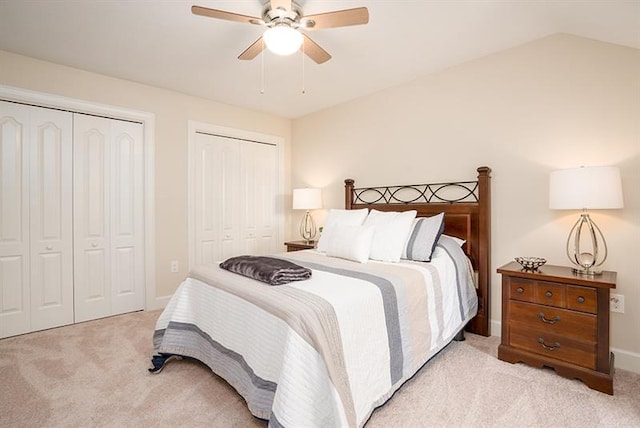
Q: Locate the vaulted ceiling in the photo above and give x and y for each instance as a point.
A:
(162, 43)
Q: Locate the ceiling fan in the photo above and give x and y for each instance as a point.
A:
(284, 20)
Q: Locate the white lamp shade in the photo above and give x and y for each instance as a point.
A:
(307, 199)
(282, 40)
(598, 187)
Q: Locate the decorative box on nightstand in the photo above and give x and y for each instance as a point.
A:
(300, 245)
(555, 318)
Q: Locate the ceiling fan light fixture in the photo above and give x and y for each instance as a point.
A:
(282, 40)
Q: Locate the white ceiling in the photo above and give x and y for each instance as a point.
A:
(161, 43)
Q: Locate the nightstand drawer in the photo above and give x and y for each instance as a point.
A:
(550, 293)
(547, 319)
(546, 293)
(522, 289)
(582, 299)
(554, 346)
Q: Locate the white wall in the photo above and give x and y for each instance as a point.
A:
(172, 112)
(558, 102)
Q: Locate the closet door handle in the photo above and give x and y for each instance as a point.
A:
(49, 247)
(94, 245)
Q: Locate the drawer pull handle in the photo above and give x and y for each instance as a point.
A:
(520, 290)
(549, 294)
(547, 320)
(553, 347)
(580, 299)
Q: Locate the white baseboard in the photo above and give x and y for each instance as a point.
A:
(495, 328)
(624, 360)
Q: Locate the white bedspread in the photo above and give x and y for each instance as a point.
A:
(326, 351)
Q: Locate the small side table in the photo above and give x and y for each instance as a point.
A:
(555, 318)
(300, 245)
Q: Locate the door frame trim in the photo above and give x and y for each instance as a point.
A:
(41, 99)
(195, 127)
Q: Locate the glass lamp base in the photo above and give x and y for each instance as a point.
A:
(586, 272)
(586, 261)
(308, 228)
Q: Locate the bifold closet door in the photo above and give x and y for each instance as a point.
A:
(51, 222)
(108, 217)
(217, 180)
(258, 192)
(36, 256)
(235, 191)
(15, 289)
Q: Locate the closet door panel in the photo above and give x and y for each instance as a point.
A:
(51, 218)
(229, 179)
(15, 308)
(127, 274)
(206, 188)
(266, 186)
(249, 197)
(216, 195)
(91, 218)
(258, 201)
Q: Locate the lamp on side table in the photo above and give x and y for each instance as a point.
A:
(307, 199)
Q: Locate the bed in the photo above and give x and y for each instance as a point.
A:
(328, 350)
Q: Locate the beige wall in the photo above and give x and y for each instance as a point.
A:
(558, 102)
(172, 112)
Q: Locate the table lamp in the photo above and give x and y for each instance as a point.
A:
(586, 188)
(307, 199)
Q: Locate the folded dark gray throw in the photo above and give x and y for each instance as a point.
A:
(266, 269)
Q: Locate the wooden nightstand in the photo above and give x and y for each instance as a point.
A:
(300, 245)
(555, 318)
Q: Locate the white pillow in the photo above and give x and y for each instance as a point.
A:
(350, 242)
(422, 240)
(455, 239)
(336, 217)
(391, 232)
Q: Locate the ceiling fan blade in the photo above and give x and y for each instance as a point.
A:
(221, 14)
(252, 51)
(281, 4)
(314, 51)
(339, 18)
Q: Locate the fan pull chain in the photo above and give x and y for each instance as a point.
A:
(262, 69)
(303, 90)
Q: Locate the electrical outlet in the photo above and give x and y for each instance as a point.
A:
(174, 266)
(617, 303)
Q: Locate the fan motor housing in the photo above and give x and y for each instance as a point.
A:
(273, 17)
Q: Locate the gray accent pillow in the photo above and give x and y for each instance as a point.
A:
(423, 238)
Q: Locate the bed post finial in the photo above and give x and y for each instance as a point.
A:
(348, 193)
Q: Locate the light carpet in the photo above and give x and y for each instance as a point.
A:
(94, 374)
